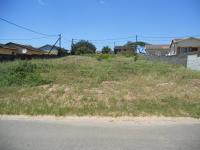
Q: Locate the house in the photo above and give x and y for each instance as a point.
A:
(25, 49)
(5, 50)
(123, 49)
(157, 50)
(141, 49)
(52, 49)
(48, 47)
(184, 46)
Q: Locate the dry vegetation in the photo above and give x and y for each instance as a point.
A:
(114, 86)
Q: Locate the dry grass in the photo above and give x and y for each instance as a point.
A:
(82, 85)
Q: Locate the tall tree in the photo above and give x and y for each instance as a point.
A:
(83, 47)
(106, 50)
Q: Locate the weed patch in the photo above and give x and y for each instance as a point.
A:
(21, 73)
(115, 85)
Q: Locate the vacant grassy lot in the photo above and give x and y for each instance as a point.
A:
(105, 86)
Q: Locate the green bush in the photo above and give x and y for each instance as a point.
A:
(106, 50)
(102, 56)
(83, 47)
(21, 73)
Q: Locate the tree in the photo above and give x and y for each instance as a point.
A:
(62, 52)
(106, 50)
(83, 47)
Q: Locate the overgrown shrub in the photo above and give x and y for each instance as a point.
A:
(106, 50)
(102, 56)
(21, 73)
(83, 47)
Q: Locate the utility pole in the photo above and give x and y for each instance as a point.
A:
(72, 45)
(136, 38)
(72, 42)
(114, 47)
(60, 38)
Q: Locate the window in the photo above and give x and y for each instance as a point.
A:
(194, 49)
(183, 50)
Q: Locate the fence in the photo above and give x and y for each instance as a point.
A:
(193, 62)
(4, 57)
(181, 59)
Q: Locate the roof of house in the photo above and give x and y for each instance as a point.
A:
(118, 47)
(176, 40)
(7, 47)
(48, 47)
(2, 45)
(157, 47)
(183, 39)
(15, 45)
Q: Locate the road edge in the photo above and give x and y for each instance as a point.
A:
(148, 119)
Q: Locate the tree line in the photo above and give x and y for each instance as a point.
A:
(86, 47)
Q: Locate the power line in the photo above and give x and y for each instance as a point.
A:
(139, 37)
(111, 39)
(45, 37)
(19, 26)
(161, 37)
(166, 37)
(77, 40)
(94, 40)
(153, 40)
(68, 40)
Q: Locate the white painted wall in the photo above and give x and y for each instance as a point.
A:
(193, 62)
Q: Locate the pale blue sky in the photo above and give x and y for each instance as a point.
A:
(99, 19)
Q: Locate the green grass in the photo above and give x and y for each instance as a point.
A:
(105, 85)
(20, 73)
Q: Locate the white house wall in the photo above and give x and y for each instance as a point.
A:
(172, 50)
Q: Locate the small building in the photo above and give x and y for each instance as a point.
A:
(52, 49)
(184, 46)
(157, 50)
(5, 50)
(25, 49)
(123, 49)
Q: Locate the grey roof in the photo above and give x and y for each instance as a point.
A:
(7, 47)
(48, 47)
(178, 40)
(16, 45)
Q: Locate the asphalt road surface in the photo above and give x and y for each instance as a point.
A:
(20, 134)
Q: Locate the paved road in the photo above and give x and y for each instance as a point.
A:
(77, 135)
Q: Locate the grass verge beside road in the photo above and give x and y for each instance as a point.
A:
(99, 86)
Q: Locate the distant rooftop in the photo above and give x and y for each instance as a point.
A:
(158, 47)
(180, 39)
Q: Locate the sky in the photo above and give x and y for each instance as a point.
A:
(103, 22)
